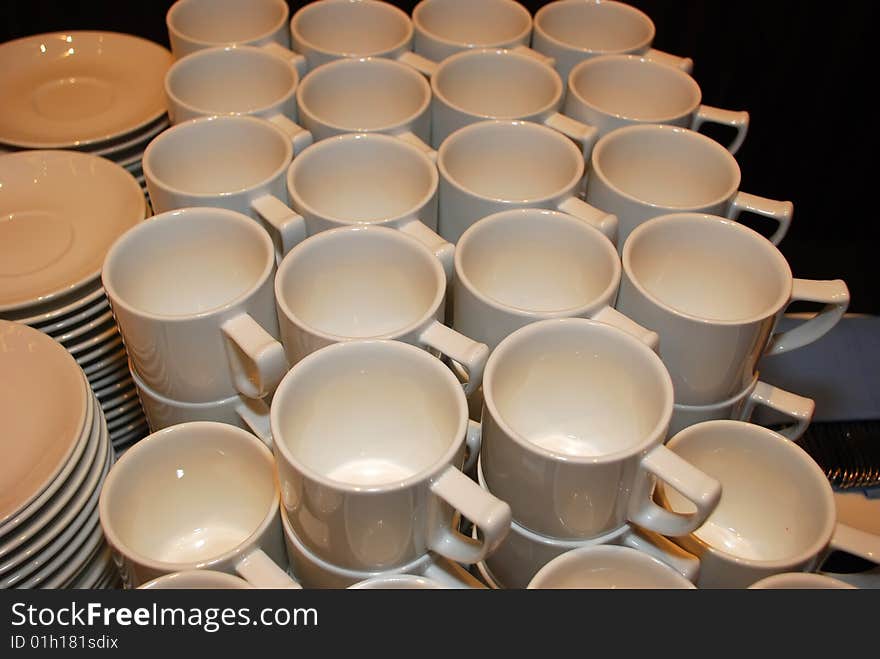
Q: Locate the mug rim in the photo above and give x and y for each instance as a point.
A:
(336, 352)
(731, 225)
(187, 60)
(810, 466)
(167, 437)
(608, 138)
(485, 53)
(652, 438)
(164, 136)
(340, 234)
(508, 215)
(317, 6)
(636, 60)
(327, 69)
(175, 217)
(554, 6)
(419, 25)
(170, 15)
(516, 124)
(305, 208)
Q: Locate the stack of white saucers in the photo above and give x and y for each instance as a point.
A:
(61, 211)
(96, 92)
(56, 453)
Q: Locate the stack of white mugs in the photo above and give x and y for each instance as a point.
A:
(429, 295)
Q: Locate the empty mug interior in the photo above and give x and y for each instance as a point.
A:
(188, 262)
(776, 504)
(217, 155)
(634, 88)
(342, 27)
(578, 388)
(190, 495)
(708, 268)
(498, 84)
(369, 414)
(596, 26)
(362, 178)
(231, 81)
(511, 161)
(362, 95)
(607, 567)
(538, 261)
(227, 21)
(470, 23)
(665, 166)
(358, 283)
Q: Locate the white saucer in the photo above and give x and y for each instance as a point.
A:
(86, 326)
(60, 325)
(71, 89)
(60, 307)
(119, 150)
(125, 407)
(103, 350)
(62, 210)
(115, 376)
(112, 361)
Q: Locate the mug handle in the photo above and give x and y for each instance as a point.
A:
(534, 54)
(780, 211)
(443, 249)
(663, 549)
(287, 227)
(697, 487)
(299, 136)
(473, 441)
(469, 353)
(255, 414)
(797, 408)
(706, 114)
(686, 64)
(256, 359)
(298, 61)
(488, 513)
(411, 138)
(421, 64)
(261, 571)
(582, 133)
(598, 219)
(856, 542)
(611, 316)
(833, 293)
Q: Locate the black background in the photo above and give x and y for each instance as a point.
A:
(805, 71)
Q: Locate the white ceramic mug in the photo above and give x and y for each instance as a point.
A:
(234, 162)
(197, 579)
(446, 27)
(237, 410)
(191, 291)
(796, 409)
(397, 582)
(800, 581)
(364, 178)
(520, 266)
(367, 282)
(607, 567)
(714, 291)
(314, 572)
(571, 31)
(574, 417)
(197, 24)
(777, 511)
(199, 495)
(642, 171)
(334, 29)
(653, 92)
(240, 80)
(522, 553)
(370, 437)
(501, 84)
(490, 166)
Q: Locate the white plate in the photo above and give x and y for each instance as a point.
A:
(128, 406)
(81, 513)
(54, 506)
(138, 432)
(102, 367)
(70, 561)
(99, 567)
(126, 420)
(95, 338)
(114, 389)
(113, 407)
(69, 334)
(62, 210)
(63, 306)
(116, 375)
(103, 350)
(75, 319)
(120, 150)
(44, 407)
(72, 89)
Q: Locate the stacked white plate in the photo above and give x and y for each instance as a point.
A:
(56, 452)
(96, 92)
(59, 213)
